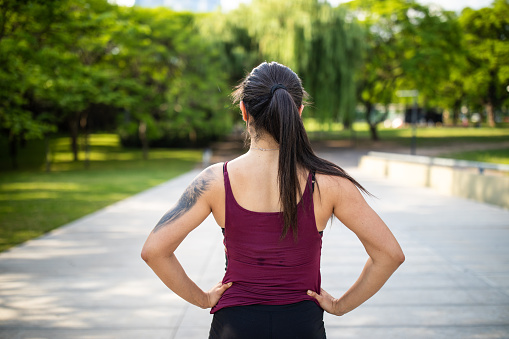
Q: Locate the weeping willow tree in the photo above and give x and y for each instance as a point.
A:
(321, 43)
(334, 55)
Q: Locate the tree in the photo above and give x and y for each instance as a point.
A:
(77, 76)
(21, 39)
(317, 41)
(486, 35)
(409, 46)
(172, 77)
(54, 69)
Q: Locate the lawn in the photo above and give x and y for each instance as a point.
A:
(425, 136)
(33, 202)
(498, 156)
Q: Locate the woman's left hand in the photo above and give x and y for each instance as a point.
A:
(215, 293)
(326, 301)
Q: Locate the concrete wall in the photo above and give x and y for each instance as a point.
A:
(447, 180)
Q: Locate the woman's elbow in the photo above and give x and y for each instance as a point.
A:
(151, 252)
(391, 259)
(398, 257)
(401, 258)
(146, 254)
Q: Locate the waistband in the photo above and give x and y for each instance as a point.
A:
(295, 307)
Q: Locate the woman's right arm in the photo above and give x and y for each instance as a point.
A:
(189, 212)
(385, 254)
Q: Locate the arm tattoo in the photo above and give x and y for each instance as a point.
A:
(187, 200)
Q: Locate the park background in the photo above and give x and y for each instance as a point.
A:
(99, 101)
(107, 112)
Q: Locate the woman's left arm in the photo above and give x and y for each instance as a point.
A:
(190, 211)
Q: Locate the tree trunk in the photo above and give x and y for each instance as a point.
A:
(490, 114)
(353, 137)
(456, 108)
(73, 127)
(374, 132)
(455, 117)
(347, 121)
(86, 146)
(369, 119)
(48, 160)
(13, 151)
(142, 133)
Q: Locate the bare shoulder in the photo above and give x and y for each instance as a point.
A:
(214, 171)
(210, 179)
(338, 193)
(335, 185)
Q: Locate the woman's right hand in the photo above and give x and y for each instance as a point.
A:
(215, 293)
(327, 302)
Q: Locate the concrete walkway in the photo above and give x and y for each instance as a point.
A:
(86, 279)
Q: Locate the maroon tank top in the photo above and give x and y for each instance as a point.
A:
(264, 268)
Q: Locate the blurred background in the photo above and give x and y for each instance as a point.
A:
(102, 99)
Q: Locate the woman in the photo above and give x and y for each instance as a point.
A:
(272, 218)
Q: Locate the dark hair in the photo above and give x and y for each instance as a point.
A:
(277, 112)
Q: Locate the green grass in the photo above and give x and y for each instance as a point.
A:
(425, 136)
(33, 202)
(498, 156)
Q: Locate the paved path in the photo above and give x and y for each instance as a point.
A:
(86, 279)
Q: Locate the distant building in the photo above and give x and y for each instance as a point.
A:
(182, 5)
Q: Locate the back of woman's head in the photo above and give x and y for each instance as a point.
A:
(272, 95)
(270, 92)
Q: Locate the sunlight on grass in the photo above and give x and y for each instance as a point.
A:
(21, 196)
(96, 156)
(58, 186)
(33, 202)
(105, 148)
(312, 125)
(433, 132)
(497, 156)
(426, 136)
(111, 141)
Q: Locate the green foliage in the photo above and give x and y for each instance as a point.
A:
(322, 44)
(409, 46)
(164, 77)
(173, 77)
(63, 63)
(59, 73)
(487, 41)
(20, 40)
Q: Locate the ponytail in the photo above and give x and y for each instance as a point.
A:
(272, 94)
(283, 108)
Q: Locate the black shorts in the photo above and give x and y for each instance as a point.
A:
(303, 320)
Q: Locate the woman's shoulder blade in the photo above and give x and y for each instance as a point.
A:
(332, 185)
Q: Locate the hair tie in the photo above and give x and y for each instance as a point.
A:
(276, 87)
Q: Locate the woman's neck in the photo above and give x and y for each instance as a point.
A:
(264, 145)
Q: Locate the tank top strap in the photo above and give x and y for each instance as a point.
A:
(313, 180)
(307, 195)
(227, 187)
